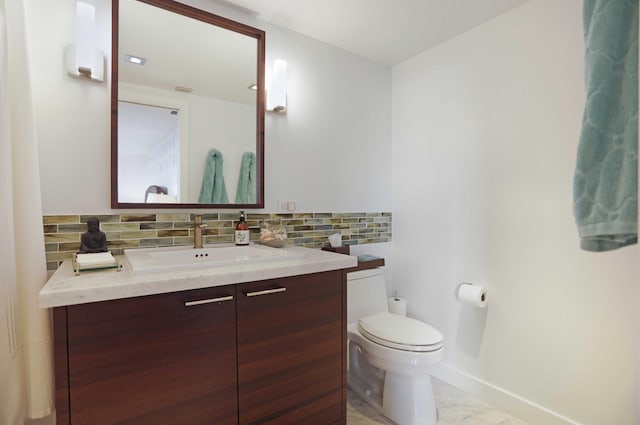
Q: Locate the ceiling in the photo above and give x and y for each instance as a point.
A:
(177, 58)
(385, 31)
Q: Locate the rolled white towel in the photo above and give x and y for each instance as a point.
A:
(95, 260)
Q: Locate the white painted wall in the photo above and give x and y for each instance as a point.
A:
(485, 130)
(331, 152)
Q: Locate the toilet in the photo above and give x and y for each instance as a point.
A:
(390, 356)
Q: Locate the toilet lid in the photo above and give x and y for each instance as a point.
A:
(400, 332)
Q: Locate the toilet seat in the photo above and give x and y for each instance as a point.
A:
(400, 332)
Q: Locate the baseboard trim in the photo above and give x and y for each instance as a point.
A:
(500, 398)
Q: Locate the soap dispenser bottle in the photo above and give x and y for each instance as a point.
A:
(242, 231)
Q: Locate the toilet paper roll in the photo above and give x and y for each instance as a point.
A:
(473, 295)
(397, 306)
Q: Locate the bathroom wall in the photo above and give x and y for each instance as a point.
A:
(485, 130)
(326, 153)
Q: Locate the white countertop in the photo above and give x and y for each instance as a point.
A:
(65, 288)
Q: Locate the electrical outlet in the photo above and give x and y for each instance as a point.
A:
(283, 205)
(287, 206)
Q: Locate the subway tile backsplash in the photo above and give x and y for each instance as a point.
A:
(62, 232)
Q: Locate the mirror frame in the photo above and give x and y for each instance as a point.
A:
(210, 18)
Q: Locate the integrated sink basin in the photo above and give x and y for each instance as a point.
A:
(146, 260)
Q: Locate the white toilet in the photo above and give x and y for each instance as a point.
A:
(389, 355)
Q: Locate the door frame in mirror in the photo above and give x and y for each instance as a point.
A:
(210, 18)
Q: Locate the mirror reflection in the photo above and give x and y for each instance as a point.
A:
(149, 153)
(189, 118)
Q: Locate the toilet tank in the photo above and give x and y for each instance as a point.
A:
(366, 293)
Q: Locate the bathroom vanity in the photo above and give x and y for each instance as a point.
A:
(235, 343)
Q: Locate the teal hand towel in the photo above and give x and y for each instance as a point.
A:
(213, 190)
(246, 191)
(605, 182)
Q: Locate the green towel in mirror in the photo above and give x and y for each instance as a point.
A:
(246, 191)
(213, 190)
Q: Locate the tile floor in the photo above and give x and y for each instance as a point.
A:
(455, 407)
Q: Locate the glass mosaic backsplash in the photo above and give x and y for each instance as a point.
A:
(62, 232)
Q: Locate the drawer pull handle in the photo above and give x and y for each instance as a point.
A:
(208, 301)
(265, 292)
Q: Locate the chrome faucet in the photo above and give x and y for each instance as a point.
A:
(198, 225)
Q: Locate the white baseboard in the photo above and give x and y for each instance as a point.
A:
(502, 399)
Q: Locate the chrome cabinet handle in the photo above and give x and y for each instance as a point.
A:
(265, 292)
(208, 301)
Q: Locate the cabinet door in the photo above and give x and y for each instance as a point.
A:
(157, 360)
(290, 348)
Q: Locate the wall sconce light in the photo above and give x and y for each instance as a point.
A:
(82, 59)
(277, 94)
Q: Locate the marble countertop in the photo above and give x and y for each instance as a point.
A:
(65, 288)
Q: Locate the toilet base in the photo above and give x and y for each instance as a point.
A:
(408, 400)
(405, 399)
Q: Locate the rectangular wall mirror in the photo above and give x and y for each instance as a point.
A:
(187, 108)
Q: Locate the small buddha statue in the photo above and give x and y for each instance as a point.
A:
(93, 240)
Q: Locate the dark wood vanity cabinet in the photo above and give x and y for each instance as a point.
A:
(290, 347)
(161, 359)
(239, 354)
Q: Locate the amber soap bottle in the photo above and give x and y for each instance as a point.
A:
(242, 231)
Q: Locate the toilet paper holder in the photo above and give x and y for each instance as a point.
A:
(470, 294)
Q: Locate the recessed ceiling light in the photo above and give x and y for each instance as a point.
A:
(135, 59)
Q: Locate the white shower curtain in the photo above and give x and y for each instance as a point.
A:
(26, 378)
